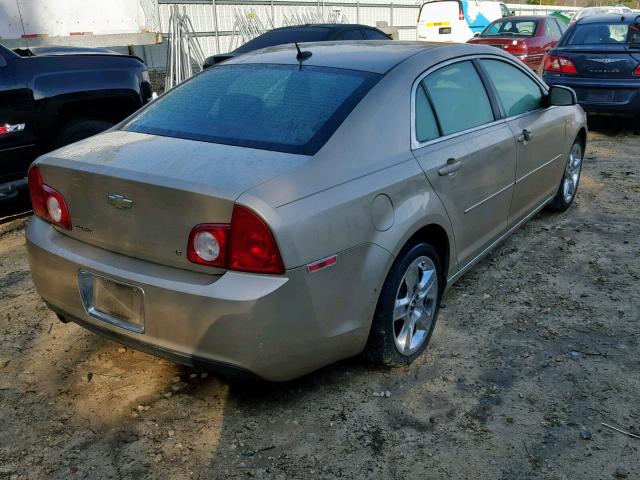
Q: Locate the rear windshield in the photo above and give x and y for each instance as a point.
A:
(599, 33)
(285, 108)
(280, 37)
(511, 28)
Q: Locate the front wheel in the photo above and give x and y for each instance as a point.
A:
(570, 179)
(407, 308)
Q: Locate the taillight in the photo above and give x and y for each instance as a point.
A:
(208, 244)
(246, 245)
(517, 47)
(555, 64)
(460, 12)
(636, 72)
(46, 201)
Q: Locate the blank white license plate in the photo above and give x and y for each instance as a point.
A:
(112, 301)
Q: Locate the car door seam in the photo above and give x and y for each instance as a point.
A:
(503, 189)
(519, 180)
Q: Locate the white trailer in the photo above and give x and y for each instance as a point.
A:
(80, 23)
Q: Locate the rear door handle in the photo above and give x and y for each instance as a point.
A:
(525, 136)
(450, 168)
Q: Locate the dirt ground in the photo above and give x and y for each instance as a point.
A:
(535, 348)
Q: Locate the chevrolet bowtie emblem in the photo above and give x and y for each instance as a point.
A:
(119, 201)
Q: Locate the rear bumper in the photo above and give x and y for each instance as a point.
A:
(623, 97)
(10, 190)
(274, 327)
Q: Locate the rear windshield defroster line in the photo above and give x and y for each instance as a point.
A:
(284, 108)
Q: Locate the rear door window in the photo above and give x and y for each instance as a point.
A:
(286, 108)
(426, 124)
(551, 29)
(634, 34)
(459, 97)
(562, 26)
(517, 92)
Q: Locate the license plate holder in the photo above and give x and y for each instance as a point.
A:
(112, 301)
(597, 95)
(444, 31)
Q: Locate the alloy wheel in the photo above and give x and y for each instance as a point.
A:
(572, 173)
(415, 305)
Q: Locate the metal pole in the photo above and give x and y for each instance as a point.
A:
(391, 14)
(215, 24)
(273, 16)
(358, 11)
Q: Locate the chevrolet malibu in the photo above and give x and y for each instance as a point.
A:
(293, 208)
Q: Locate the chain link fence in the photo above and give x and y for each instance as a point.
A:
(222, 25)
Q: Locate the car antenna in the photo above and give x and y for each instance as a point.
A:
(302, 56)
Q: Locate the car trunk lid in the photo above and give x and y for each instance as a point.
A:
(515, 46)
(140, 195)
(604, 61)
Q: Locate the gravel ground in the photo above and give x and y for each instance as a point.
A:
(535, 348)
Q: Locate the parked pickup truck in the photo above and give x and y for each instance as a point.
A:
(53, 96)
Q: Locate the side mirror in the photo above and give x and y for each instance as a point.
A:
(561, 96)
(209, 62)
(477, 34)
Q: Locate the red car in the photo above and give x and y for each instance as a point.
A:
(527, 38)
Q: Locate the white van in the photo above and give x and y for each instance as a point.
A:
(457, 20)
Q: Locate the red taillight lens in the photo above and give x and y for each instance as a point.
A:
(208, 244)
(460, 12)
(47, 202)
(555, 64)
(253, 248)
(246, 245)
(517, 47)
(636, 72)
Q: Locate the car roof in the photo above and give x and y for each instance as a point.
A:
(331, 26)
(377, 56)
(524, 18)
(608, 18)
(63, 50)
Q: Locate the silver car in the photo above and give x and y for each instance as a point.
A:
(288, 209)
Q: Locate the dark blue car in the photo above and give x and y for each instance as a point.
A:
(599, 57)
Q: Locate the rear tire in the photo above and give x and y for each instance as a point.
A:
(408, 307)
(80, 130)
(570, 178)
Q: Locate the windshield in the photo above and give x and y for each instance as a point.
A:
(511, 28)
(283, 36)
(599, 33)
(286, 108)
